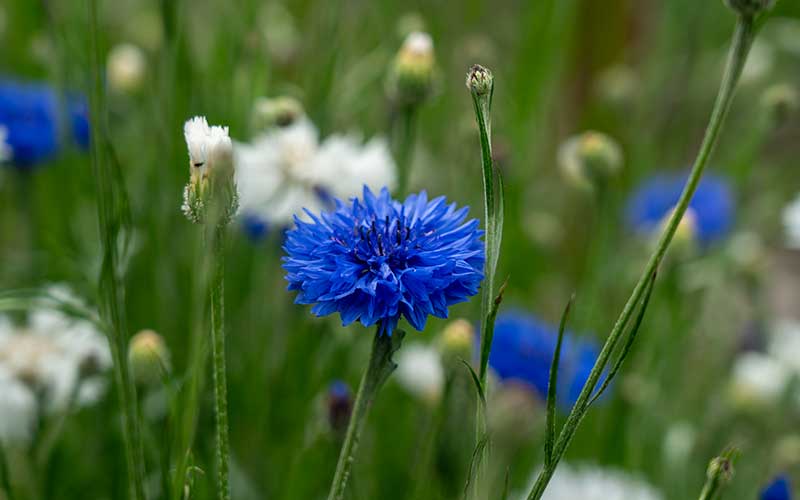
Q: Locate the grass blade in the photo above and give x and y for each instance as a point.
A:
(552, 388)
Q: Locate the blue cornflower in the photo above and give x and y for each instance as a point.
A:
(712, 206)
(254, 227)
(377, 259)
(778, 489)
(523, 348)
(32, 115)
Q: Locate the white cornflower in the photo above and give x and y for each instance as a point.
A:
(211, 169)
(785, 345)
(287, 169)
(757, 380)
(18, 408)
(126, 68)
(590, 482)
(420, 372)
(58, 359)
(791, 223)
(5, 149)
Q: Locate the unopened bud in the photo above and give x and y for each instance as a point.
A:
(720, 469)
(276, 112)
(126, 68)
(457, 338)
(148, 357)
(781, 101)
(750, 7)
(480, 80)
(590, 159)
(411, 77)
(339, 402)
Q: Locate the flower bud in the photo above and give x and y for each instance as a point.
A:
(589, 159)
(720, 469)
(480, 80)
(339, 403)
(148, 357)
(411, 77)
(126, 68)
(750, 7)
(780, 101)
(457, 338)
(211, 186)
(275, 112)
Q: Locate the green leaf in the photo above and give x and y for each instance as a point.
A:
(477, 455)
(478, 387)
(552, 388)
(506, 486)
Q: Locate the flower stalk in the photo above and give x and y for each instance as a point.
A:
(480, 83)
(379, 368)
(741, 44)
(719, 473)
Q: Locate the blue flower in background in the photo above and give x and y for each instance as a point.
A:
(778, 489)
(254, 227)
(32, 115)
(713, 205)
(523, 348)
(378, 259)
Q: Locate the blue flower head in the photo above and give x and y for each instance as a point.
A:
(376, 259)
(31, 114)
(254, 227)
(712, 205)
(778, 489)
(523, 348)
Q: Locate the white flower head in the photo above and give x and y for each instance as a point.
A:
(785, 344)
(211, 169)
(418, 43)
(287, 169)
(590, 482)
(758, 380)
(126, 68)
(60, 357)
(18, 408)
(791, 223)
(420, 372)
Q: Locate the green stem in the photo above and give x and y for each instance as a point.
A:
(218, 351)
(5, 477)
(742, 41)
(110, 207)
(378, 370)
(405, 147)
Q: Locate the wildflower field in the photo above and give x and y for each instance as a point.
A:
(391, 250)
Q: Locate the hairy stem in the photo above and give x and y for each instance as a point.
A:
(216, 292)
(378, 370)
(406, 129)
(742, 41)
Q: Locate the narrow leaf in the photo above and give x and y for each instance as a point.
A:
(477, 453)
(552, 385)
(629, 342)
(476, 380)
(506, 486)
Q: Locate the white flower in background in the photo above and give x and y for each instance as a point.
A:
(420, 372)
(785, 345)
(287, 169)
(18, 408)
(791, 223)
(57, 359)
(757, 380)
(126, 68)
(590, 482)
(759, 63)
(5, 149)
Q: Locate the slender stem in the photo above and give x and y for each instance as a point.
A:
(378, 370)
(218, 350)
(405, 147)
(742, 41)
(5, 478)
(109, 207)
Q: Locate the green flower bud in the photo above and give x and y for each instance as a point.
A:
(148, 358)
(275, 112)
(750, 7)
(780, 101)
(589, 159)
(457, 339)
(479, 80)
(412, 73)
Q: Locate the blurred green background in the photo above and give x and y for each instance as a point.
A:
(642, 71)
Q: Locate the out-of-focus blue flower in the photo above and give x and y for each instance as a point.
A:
(712, 206)
(339, 402)
(254, 227)
(523, 348)
(32, 115)
(377, 259)
(778, 489)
